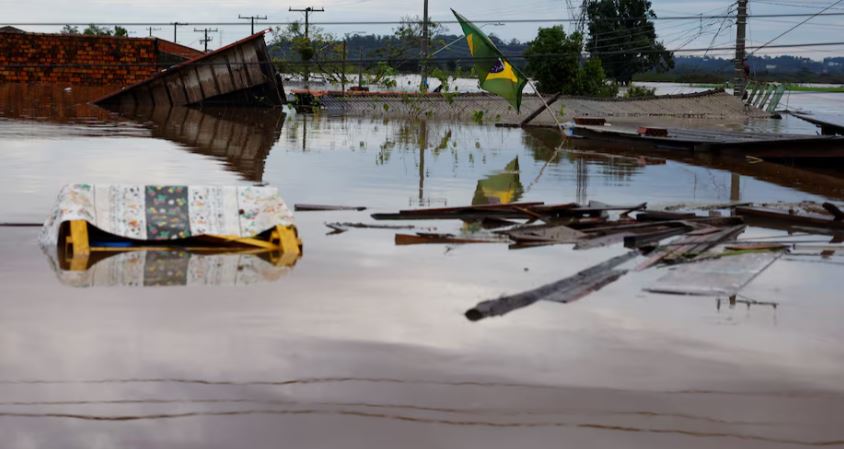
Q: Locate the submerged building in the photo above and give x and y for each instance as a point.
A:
(77, 59)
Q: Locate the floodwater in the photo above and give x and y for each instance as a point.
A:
(363, 343)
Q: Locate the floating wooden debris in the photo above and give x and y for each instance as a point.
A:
(343, 227)
(429, 238)
(563, 291)
(544, 234)
(793, 217)
(758, 246)
(324, 207)
(724, 276)
(530, 211)
(239, 74)
(691, 246)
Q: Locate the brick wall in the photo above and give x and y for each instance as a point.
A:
(76, 59)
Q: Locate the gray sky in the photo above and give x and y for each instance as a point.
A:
(675, 34)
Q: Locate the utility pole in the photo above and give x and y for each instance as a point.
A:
(423, 87)
(740, 83)
(151, 29)
(360, 69)
(307, 12)
(343, 74)
(175, 26)
(252, 19)
(205, 40)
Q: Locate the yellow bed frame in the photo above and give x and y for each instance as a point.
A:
(283, 245)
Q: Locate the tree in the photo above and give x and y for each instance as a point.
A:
(553, 59)
(94, 30)
(67, 29)
(119, 31)
(407, 43)
(623, 37)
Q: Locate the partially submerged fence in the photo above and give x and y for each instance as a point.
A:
(764, 96)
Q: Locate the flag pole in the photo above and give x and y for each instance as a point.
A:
(547, 106)
(559, 128)
(542, 99)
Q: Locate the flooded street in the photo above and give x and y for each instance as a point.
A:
(364, 343)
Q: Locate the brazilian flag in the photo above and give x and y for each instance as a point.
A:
(495, 73)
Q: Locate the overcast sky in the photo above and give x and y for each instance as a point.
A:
(675, 34)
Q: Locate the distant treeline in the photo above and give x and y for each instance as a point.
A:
(404, 57)
(696, 69)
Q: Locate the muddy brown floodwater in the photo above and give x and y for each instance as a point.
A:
(363, 343)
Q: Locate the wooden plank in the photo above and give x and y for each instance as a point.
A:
(651, 238)
(324, 207)
(238, 70)
(205, 73)
(222, 74)
(253, 67)
(191, 83)
(545, 233)
(433, 239)
(159, 94)
(815, 220)
(564, 291)
(195, 71)
(541, 109)
(724, 276)
(177, 90)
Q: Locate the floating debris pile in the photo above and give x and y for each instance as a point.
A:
(704, 253)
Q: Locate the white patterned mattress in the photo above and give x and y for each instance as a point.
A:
(160, 213)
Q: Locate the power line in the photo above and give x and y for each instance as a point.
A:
(441, 59)
(252, 20)
(394, 22)
(795, 26)
(205, 40)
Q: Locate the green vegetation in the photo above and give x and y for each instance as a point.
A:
(816, 89)
(623, 37)
(94, 30)
(634, 91)
(562, 72)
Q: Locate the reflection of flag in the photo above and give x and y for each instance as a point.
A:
(501, 188)
(495, 73)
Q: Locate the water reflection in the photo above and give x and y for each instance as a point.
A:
(243, 137)
(501, 188)
(171, 268)
(53, 102)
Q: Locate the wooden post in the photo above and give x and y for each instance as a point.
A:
(343, 74)
(740, 82)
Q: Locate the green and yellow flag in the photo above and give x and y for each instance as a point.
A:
(495, 73)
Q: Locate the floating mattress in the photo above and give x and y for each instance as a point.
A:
(90, 222)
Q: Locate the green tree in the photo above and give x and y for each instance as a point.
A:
(622, 36)
(119, 31)
(553, 60)
(67, 29)
(94, 30)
